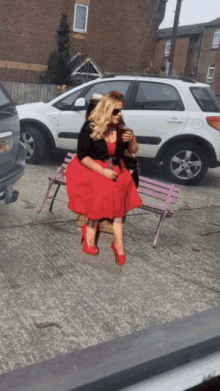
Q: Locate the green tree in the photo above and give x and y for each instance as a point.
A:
(59, 69)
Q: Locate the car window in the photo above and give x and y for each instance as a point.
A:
(70, 98)
(157, 96)
(206, 99)
(107, 86)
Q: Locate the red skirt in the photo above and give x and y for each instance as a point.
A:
(98, 197)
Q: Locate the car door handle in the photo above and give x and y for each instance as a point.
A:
(175, 121)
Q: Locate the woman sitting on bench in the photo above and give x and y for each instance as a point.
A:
(96, 190)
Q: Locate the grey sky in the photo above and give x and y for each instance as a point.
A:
(192, 12)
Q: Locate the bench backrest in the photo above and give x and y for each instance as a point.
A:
(158, 190)
(67, 160)
(59, 175)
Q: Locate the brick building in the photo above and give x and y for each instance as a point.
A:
(117, 36)
(197, 52)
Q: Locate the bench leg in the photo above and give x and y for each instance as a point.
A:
(159, 227)
(53, 199)
(46, 196)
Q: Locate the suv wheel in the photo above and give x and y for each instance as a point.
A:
(34, 142)
(186, 164)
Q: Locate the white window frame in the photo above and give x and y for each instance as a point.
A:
(75, 15)
(192, 70)
(167, 52)
(208, 78)
(77, 70)
(216, 39)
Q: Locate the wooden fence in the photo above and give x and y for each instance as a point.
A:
(29, 92)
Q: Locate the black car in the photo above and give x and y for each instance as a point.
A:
(12, 151)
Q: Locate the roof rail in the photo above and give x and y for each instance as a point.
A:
(186, 79)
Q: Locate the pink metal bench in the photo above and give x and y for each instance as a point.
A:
(57, 179)
(166, 194)
(162, 192)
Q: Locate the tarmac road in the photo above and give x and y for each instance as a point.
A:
(52, 303)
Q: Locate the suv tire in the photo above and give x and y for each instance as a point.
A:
(34, 142)
(186, 164)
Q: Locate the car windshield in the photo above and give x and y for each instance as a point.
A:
(206, 99)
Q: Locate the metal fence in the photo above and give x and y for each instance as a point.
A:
(28, 92)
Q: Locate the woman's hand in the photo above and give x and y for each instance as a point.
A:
(111, 174)
(127, 136)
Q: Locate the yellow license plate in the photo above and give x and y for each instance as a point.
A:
(4, 144)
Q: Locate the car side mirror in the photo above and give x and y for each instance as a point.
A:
(80, 103)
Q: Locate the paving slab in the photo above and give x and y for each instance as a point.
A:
(54, 300)
(105, 259)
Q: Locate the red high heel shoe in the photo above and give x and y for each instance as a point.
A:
(88, 250)
(120, 259)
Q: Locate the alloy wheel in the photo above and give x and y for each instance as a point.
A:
(185, 164)
(28, 141)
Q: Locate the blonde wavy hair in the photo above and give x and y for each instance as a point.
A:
(101, 116)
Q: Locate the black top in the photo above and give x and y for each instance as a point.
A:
(97, 149)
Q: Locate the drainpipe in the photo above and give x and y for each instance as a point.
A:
(199, 53)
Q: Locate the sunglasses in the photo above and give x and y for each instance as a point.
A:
(116, 111)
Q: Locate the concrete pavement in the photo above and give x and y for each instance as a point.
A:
(52, 303)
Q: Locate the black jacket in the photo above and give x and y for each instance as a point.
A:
(97, 149)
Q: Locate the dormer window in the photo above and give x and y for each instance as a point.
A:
(167, 48)
(216, 39)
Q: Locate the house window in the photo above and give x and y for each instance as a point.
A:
(210, 74)
(193, 69)
(167, 48)
(216, 39)
(80, 18)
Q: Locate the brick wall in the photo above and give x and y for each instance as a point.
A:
(186, 56)
(118, 37)
(159, 53)
(28, 34)
(181, 53)
(216, 82)
(28, 29)
(192, 55)
(180, 59)
(208, 55)
(18, 75)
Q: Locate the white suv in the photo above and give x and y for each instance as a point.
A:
(176, 121)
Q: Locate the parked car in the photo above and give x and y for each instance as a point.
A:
(12, 151)
(176, 121)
